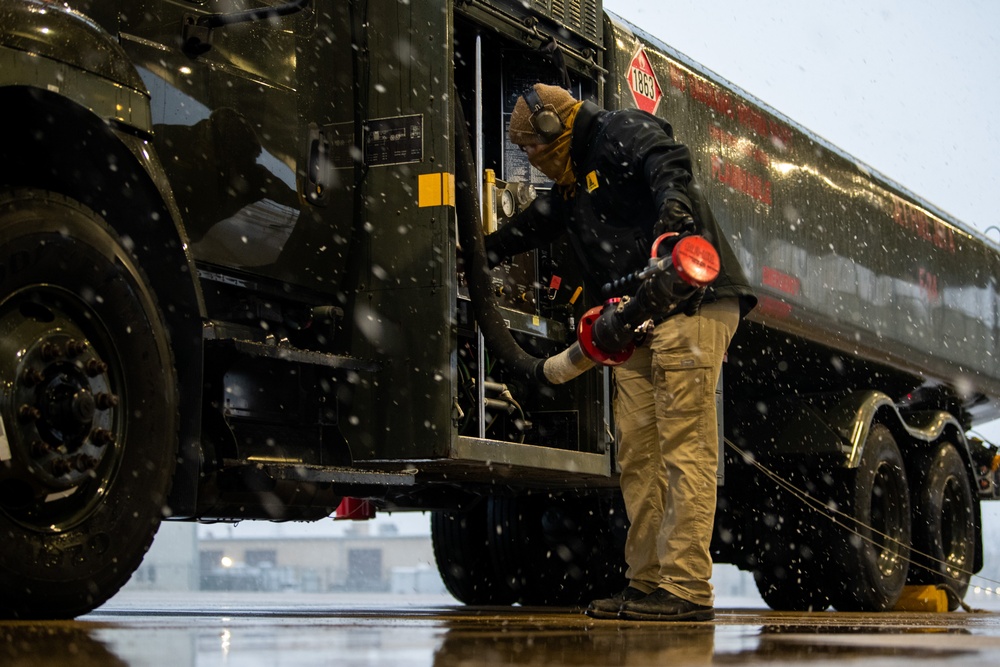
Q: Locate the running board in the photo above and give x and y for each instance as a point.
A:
(288, 353)
(302, 472)
(496, 452)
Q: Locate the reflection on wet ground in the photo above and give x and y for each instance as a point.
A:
(200, 629)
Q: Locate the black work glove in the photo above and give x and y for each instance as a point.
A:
(694, 301)
(676, 217)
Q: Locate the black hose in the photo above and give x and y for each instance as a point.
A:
(477, 269)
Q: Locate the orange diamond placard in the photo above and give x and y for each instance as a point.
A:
(642, 81)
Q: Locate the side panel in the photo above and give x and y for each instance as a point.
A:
(837, 254)
(401, 285)
(315, 151)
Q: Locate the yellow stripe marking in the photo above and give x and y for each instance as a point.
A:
(436, 189)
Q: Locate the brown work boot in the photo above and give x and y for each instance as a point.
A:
(662, 605)
(609, 607)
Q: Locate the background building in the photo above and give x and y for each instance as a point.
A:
(324, 557)
(391, 554)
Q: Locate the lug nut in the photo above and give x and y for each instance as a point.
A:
(60, 467)
(85, 462)
(32, 376)
(102, 436)
(29, 413)
(51, 351)
(106, 401)
(95, 367)
(75, 348)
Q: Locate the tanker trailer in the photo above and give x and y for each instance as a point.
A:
(873, 351)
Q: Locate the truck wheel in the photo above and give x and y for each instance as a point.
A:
(787, 589)
(790, 575)
(943, 522)
(556, 550)
(88, 409)
(872, 552)
(463, 557)
(791, 559)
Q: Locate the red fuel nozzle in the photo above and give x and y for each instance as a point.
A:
(606, 334)
(585, 337)
(696, 261)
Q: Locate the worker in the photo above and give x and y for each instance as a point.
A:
(620, 180)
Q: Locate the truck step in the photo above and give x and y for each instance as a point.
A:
(285, 352)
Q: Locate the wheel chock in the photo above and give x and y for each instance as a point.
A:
(922, 598)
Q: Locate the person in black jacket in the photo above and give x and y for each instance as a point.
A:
(620, 181)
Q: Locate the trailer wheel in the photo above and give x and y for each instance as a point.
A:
(788, 589)
(791, 558)
(88, 407)
(556, 550)
(943, 522)
(872, 552)
(463, 557)
(790, 575)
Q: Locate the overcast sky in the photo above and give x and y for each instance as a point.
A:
(909, 87)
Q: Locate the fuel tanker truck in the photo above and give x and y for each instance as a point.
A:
(241, 277)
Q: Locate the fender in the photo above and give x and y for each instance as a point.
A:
(839, 426)
(56, 45)
(854, 414)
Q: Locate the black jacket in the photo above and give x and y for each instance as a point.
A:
(628, 168)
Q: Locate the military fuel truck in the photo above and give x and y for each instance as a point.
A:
(235, 246)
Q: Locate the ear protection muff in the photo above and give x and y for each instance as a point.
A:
(544, 119)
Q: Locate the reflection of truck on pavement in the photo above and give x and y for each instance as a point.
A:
(229, 289)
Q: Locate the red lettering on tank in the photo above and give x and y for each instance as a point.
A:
(752, 119)
(711, 96)
(678, 79)
(774, 307)
(741, 180)
(780, 132)
(734, 145)
(923, 226)
(718, 99)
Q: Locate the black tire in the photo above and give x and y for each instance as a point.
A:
(462, 553)
(558, 550)
(872, 552)
(791, 553)
(790, 574)
(89, 408)
(789, 588)
(944, 524)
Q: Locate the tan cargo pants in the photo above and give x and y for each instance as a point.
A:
(668, 444)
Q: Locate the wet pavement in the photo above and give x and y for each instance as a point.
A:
(347, 630)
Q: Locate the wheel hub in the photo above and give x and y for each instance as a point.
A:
(64, 417)
(59, 415)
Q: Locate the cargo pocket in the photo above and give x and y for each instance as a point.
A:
(683, 389)
(682, 369)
